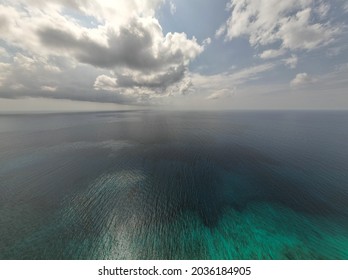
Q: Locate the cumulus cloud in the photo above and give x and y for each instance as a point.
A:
(104, 82)
(140, 45)
(126, 49)
(302, 79)
(289, 22)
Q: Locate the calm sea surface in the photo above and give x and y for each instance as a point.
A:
(170, 185)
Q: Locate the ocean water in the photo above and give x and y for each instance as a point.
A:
(174, 185)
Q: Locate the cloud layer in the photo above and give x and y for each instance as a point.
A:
(294, 24)
(143, 52)
(121, 49)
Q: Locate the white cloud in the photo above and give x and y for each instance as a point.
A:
(251, 73)
(291, 61)
(222, 93)
(127, 45)
(288, 21)
(222, 29)
(212, 84)
(298, 33)
(31, 72)
(104, 82)
(206, 41)
(322, 10)
(272, 53)
(302, 79)
(172, 7)
(25, 62)
(49, 88)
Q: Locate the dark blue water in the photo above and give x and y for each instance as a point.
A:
(174, 185)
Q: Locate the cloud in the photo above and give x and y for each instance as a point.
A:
(288, 22)
(30, 72)
(221, 31)
(206, 41)
(5, 69)
(3, 52)
(335, 51)
(229, 81)
(140, 45)
(222, 93)
(49, 88)
(139, 55)
(272, 53)
(298, 33)
(302, 79)
(104, 82)
(5, 18)
(172, 7)
(250, 73)
(291, 61)
(322, 10)
(345, 7)
(125, 49)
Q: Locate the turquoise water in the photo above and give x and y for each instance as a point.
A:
(174, 185)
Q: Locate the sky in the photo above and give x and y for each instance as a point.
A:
(83, 55)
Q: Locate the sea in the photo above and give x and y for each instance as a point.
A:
(147, 185)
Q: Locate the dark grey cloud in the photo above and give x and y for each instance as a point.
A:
(138, 53)
(132, 47)
(126, 55)
(169, 77)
